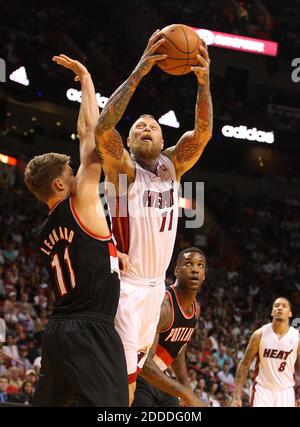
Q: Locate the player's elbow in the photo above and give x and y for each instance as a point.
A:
(202, 141)
(204, 137)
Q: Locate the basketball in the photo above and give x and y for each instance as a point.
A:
(182, 46)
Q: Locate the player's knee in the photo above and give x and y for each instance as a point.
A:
(131, 390)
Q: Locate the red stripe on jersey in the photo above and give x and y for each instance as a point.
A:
(164, 355)
(187, 316)
(84, 228)
(120, 226)
(55, 206)
(252, 394)
(256, 370)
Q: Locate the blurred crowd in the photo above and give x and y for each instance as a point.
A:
(45, 25)
(257, 260)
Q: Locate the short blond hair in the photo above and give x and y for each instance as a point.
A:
(41, 171)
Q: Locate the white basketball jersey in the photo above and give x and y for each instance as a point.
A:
(153, 217)
(277, 357)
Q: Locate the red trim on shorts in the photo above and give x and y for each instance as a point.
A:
(120, 227)
(132, 377)
(256, 370)
(172, 307)
(187, 316)
(164, 355)
(112, 250)
(84, 228)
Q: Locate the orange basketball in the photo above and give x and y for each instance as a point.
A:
(181, 45)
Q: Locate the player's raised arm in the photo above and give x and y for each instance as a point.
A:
(190, 146)
(86, 197)
(108, 140)
(89, 110)
(244, 365)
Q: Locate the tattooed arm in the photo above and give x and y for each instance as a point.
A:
(114, 157)
(189, 148)
(244, 365)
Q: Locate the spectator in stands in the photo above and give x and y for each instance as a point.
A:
(10, 349)
(226, 377)
(221, 356)
(4, 397)
(26, 393)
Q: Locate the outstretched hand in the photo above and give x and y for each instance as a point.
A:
(202, 71)
(78, 69)
(149, 58)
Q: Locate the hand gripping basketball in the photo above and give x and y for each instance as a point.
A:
(202, 71)
(182, 47)
(149, 58)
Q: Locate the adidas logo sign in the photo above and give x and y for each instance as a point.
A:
(242, 132)
(169, 119)
(20, 76)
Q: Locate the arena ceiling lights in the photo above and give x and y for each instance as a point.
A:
(169, 119)
(20, 76)
(12, 161)
(237, 42)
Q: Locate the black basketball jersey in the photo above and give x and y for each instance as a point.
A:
(83, 267)
(178, 334)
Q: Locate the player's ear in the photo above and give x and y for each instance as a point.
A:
(128, 141)
(176, 271)
(57, 184)
(290, 315)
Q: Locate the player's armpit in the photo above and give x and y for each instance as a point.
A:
(166, 315)
(113, 156)
(86, 201)
(185, 153)
(165, 320)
